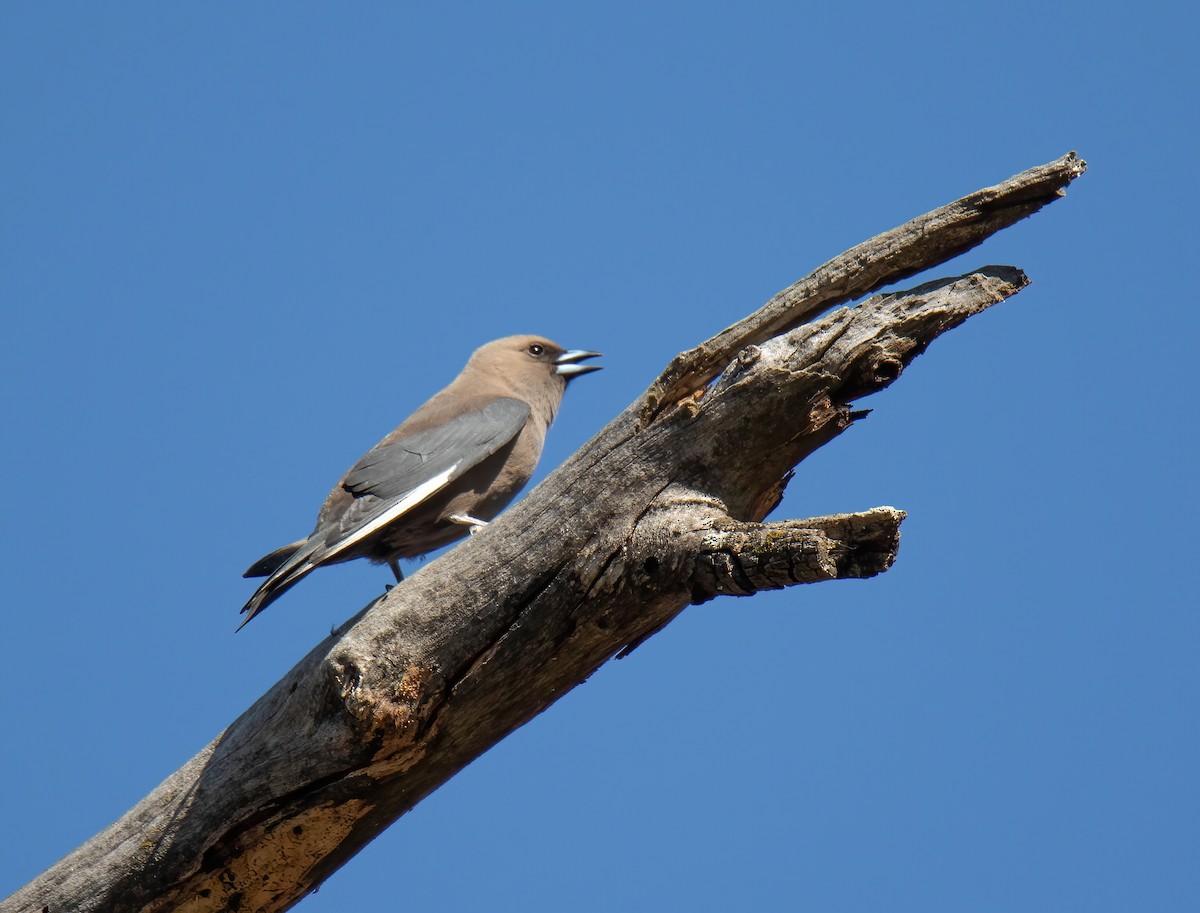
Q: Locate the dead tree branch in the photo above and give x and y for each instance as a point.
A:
(663, 508)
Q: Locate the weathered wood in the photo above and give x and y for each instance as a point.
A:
(917, 245)
(662, 508)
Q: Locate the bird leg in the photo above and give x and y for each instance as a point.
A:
(395, 566)
(468, 520)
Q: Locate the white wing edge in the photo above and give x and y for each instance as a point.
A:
(410, 500)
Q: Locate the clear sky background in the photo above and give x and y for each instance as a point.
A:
(240, 243)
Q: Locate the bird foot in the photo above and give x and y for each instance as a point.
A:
(468, 520)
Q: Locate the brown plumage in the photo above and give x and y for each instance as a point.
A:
(453, 465)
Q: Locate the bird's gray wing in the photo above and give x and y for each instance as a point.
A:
(393, 469)
(400, 473)
(393, 478)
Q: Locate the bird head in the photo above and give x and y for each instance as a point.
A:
(531, 367)
(531, 361)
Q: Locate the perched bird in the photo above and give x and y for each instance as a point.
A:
(453, 465)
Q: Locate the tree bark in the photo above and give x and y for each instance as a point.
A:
(661, 509)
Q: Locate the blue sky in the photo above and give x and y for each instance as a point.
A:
(240, 244)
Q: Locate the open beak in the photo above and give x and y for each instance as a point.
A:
(567, 364)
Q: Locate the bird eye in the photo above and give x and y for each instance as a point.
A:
(536, 349)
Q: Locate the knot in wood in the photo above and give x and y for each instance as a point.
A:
(748, 356)
(886, 369)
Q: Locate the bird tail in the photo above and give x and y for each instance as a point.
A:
(269, 564)
(284, 568)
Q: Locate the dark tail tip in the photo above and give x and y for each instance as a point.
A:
(269, 564)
